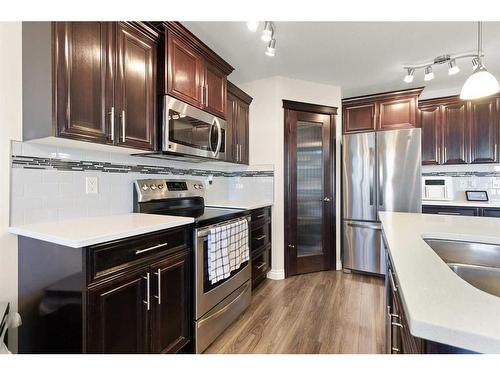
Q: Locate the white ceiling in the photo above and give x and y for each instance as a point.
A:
(360, 57)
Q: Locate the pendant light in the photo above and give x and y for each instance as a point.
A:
(481, 82)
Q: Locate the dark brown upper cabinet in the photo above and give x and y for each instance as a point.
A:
(397, 113)
(90, 81)
(135, 93)
(484, 130)
(215, 91)
(184, 71)
(455, 137)
(359, 118)
(191, 71)
(83, 80)
(429, 120)
(378, 112)
(238, 119)
(455, 131)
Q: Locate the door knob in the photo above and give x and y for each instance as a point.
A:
(326, 199)
(291, 246)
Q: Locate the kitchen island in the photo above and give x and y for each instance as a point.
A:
(438, 305)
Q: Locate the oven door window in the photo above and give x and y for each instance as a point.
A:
(191, 132)
(207, 284)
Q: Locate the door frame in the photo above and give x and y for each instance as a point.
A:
(289, 105)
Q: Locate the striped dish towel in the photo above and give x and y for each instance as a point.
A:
(227, 249)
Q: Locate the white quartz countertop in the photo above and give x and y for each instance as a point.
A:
(94, 230)
(246, 205)
(440, 306)
(492, 204)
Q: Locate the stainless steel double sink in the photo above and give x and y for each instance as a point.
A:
(476, 263)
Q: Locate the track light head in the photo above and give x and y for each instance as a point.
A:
(409, 75)
(453, 67)
(267, 33)
(429, 74)
(271, 48)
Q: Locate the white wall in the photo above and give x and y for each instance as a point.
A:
(10, 128)
(267, 142)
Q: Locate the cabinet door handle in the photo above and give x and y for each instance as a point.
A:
(112, 123)
(206, 96)
(391, 279)
(449, 213)
(123, 126)
(147, 302)
(261, 216)
(137, 252)
(261, 265)
(158, 273)
(261, 237)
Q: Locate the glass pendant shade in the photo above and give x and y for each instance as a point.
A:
(480, 83)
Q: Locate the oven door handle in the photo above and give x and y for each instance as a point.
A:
(225, 308)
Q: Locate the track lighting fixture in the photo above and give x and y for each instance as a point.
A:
(268, 35)
(453, 68)
(271, 48)
(479, 84)
(253, 26)
(429, 74)
(409, 76)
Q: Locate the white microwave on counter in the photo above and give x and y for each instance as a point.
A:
(437, 188)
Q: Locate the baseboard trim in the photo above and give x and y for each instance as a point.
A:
(276, 275)
(338, 266)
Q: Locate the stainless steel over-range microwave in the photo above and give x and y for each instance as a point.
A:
(189, 131)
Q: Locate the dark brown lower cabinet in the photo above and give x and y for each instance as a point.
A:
(170, 327)
(398, 337)
(260, 244)
(126, 296)
(118, 319)
(461, 211)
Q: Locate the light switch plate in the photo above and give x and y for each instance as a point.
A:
(91, 185)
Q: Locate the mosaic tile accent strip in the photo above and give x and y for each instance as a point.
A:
(463, 174)
(29, 162)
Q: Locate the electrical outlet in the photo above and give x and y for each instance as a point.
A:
(91, 185)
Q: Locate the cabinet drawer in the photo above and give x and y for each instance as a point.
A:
(261, 265)
(111, 257)
(260, 237)
(446, 210)
(260, 216)
(491, 212)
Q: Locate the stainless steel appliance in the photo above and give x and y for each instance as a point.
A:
(381, 172)
(216, 305)
(187, 130)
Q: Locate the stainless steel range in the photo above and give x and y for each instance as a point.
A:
(216, 305)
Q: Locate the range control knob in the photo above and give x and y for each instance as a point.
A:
(153, 187)
(196, 186)
(145, 187)
(160, 186)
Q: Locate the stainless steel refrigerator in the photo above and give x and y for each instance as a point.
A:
(381, 172)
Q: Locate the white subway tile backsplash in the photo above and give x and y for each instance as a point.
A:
(39, 195)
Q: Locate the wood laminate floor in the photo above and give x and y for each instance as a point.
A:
(323, 312)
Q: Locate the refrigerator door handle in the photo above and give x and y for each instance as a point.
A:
(365, 225)
(372, 169)
(380, 184)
